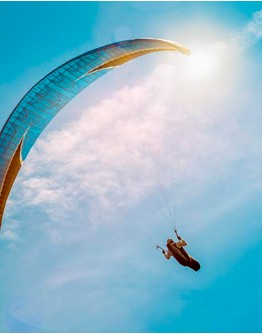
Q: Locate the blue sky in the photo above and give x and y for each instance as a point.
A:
(75, 248)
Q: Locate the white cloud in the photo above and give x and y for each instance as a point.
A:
(107, 157)
(251, 33)
(11, 232)
(9, 235)
(105, 161)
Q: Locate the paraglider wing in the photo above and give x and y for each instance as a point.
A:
(43, 101)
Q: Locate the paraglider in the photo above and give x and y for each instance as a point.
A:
(43, 101)
(176, 249)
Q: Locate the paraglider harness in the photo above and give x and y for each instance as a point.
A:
(178, 252)
(181, 255)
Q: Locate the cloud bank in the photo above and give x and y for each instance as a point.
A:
(114, 154)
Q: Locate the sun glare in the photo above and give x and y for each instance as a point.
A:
(202, 63)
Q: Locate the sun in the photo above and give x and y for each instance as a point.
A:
(203, 63)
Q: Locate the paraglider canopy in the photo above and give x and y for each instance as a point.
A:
(43, 101)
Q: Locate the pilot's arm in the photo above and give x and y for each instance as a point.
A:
(167, 254)
(181, 243)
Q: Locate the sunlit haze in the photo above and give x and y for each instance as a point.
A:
(164, 140)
